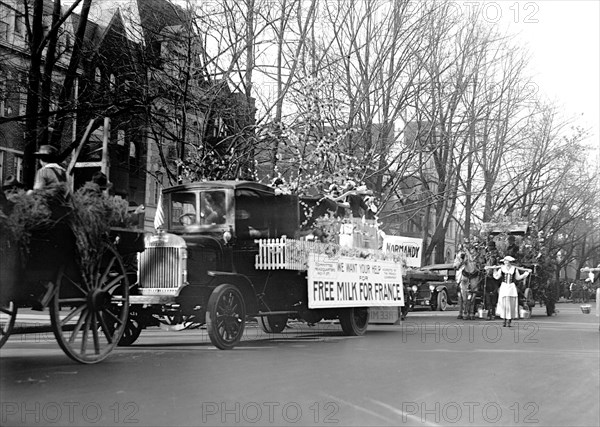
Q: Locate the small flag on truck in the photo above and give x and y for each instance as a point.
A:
(159, 216)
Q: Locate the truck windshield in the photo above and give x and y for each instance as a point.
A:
(198, 208)
(183, 209)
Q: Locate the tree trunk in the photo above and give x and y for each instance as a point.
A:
(33, 95)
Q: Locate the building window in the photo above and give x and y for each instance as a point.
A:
(46, 24)
(121, 137)
(22, 104)
(6, 168)
(3, 96)
(132, 151)
(20, 29)
(23, 94)
(18, 167)
(54, 96)
(4, 27)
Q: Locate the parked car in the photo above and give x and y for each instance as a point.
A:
(423, 287)
(437, 294)
(415, 288)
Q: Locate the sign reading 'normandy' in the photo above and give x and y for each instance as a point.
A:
(409, 246)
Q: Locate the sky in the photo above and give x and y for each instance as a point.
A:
(563, 37)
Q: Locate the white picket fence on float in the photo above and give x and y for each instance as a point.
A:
(284, 254)
(291, 254)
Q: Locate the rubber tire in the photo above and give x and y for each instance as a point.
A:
(225, 315)
(442, 300)
(133, 329)
(274, 324)
(354, 321)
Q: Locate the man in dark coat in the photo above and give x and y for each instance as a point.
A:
(491, 285)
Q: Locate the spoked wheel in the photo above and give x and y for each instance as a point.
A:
(225, 316)
(529, 300)
(442, 301)
(273, 324)
(8, 314)
(133, 328)
(89, 310)
(354, 321)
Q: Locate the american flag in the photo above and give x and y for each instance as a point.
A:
(159, 216)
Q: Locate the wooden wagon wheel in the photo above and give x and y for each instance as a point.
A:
(89, 310)
(8, 313)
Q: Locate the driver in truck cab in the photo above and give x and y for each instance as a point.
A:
(214, 210)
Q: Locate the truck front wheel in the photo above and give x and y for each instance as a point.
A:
(225, 316)
(354, 321)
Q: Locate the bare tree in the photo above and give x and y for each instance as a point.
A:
(47, 35)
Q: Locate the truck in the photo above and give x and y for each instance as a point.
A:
(230, 251)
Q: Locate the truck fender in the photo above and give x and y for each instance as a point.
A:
(243, 283)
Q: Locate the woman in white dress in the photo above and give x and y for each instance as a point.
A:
(508, 306)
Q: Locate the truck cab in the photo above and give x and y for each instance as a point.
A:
(247, 210)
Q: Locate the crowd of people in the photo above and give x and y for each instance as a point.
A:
(580, 291)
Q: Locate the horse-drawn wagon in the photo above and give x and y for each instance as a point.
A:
(233, 250)
(85, 289)
(478, 286)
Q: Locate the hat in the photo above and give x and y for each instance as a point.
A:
(100, 179)
(508, 258)
(47, 151)
(12, 183)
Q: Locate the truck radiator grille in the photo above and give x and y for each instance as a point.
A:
(161, 267)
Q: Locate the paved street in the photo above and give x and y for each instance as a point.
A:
(430, 370)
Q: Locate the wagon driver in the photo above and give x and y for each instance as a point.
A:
(51, 174)
(507, 307)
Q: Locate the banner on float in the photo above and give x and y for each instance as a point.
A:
(409, 246)
(353, 282)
